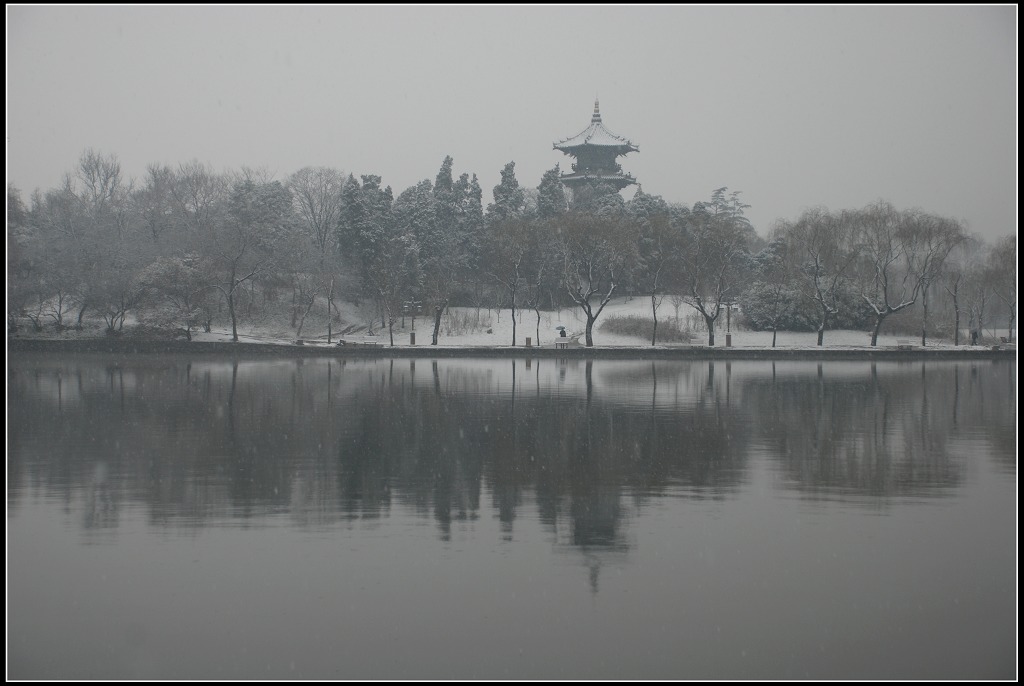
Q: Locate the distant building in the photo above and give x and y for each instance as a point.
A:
(595, 149)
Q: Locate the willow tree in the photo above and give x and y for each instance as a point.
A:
(821, 243)
(899, 254)
(1002, 269)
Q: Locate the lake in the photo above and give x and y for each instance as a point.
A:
(203, 517)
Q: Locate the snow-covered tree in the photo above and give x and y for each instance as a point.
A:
(596, 254)
(1002, 269)
(508, 197)
(178, 293)
(364, 222)
(899, 253)
(821, 245)
(715, 255)
(551, 198)
(658, 244)
(317, 199)
(242, 241)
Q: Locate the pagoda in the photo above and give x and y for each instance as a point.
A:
(595, 149)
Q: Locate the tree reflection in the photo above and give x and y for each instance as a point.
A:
(874, 435)
(587, 446)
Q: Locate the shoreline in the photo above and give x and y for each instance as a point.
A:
(694, 352)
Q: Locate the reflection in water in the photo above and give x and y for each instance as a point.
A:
(327, 441)
(253, 518)
(874, 435)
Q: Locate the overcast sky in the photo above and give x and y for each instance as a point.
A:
(793, 106)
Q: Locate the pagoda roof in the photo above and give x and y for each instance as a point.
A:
(596, 134)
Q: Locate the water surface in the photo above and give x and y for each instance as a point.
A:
(189, 518)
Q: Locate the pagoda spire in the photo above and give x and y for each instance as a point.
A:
(596, 119)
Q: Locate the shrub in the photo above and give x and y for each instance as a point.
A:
(669, 330)
(759, 308)
(460, 322)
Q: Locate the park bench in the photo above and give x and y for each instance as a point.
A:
(904, 344)
(562, 344)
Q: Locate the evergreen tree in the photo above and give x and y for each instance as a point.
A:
(595, 196)
(551, 200)
(446, 200)
(365, 220)
(508, 197)
(470, 215)
(414, 218)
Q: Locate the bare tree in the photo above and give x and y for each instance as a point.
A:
(198, 194)
(317, 197)
(956, 274)
(241, 241)
(886, 283)
(1002, 268)
(103, 190)
(507, 252)
(97, 253)
(154, 201)
(595, 254)
(932, 239)
(541, 270)
(900, 253)
(316, 193)
(823, 242)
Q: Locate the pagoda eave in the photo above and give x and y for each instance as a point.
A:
(574, 149)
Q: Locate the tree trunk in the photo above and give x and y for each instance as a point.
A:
(231, 308)
(956, 317)
(438, 311)
(330, 305)
(302, 320)
(513, 317)
(252, 298)
(590, 331)
(295, 306)
(711, 330)
(775, 331)
(234, 322)
(878, 325)
(654, 313)
(924, 319)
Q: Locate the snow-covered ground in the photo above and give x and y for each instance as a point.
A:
(469, 327)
